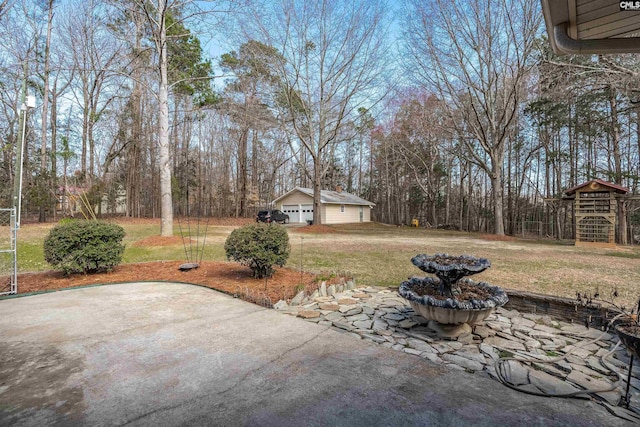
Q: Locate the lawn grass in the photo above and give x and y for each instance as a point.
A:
(31, 240)
(379, 255)
(139, 232)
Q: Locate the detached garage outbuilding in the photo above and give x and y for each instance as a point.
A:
(338, 207)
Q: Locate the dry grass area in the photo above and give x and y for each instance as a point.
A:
(379, 255)
(317, 229)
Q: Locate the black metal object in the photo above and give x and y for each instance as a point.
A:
(193, 250)
(626, 399)
(632, 344)
(188, 266)
(449, 269)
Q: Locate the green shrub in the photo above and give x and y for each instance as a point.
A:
(84, 246)
(259, 247)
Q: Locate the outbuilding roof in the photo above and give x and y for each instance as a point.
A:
(594, 184)
(330, 197)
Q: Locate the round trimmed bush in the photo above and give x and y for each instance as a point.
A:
(84, 246)
(259, 247)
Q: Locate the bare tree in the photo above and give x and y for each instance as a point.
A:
(332, 61)
(19, 37)
(420, 137)
(161, 16)
(45, 86)
(4, 7)
(95, 57)
(476, 56)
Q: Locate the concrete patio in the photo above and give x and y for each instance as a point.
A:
(175, 354)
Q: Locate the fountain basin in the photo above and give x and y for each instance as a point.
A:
(450, 268)
(448, 316)
(451, 311)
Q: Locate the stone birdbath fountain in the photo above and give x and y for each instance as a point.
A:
(451, 302)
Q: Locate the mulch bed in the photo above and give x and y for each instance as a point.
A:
(228, 277)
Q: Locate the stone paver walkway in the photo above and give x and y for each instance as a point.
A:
(535, 353)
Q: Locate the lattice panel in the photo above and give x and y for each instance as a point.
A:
(596, 229)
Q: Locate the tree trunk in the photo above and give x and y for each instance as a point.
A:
(615, 137)
(317, 187)
(54, 147)
(85, 126)
(637, 180)
(45, 90)
(242, 172)
(254, 162)
(496, 186)
(91, 148)
(617, 164)
(166, 208)
(447, 200)
(469, 195)
(622, 222)
(133, 185)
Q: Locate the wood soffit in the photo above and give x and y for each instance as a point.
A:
(592, 26)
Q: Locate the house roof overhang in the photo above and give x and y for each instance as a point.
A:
(593, 27)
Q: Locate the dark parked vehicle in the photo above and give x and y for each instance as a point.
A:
(273, 215)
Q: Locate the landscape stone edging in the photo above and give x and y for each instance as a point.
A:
(568, 310)
(560, 308)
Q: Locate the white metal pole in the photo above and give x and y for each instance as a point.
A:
(29, 102)
(14, 247)
(23, 109)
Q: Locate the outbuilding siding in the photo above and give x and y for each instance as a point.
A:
(334, 215)
(331, 212)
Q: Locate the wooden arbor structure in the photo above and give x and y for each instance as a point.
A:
(595, 210)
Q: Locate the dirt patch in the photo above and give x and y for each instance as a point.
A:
(317, 229)
(162, 241)
(228, 277)
(497, 238)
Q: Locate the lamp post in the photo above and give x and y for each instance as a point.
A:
(29, 102)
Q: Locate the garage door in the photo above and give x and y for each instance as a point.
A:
(307, 213)
(293, 211)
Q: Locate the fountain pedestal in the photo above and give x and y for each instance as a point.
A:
(450, 332)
